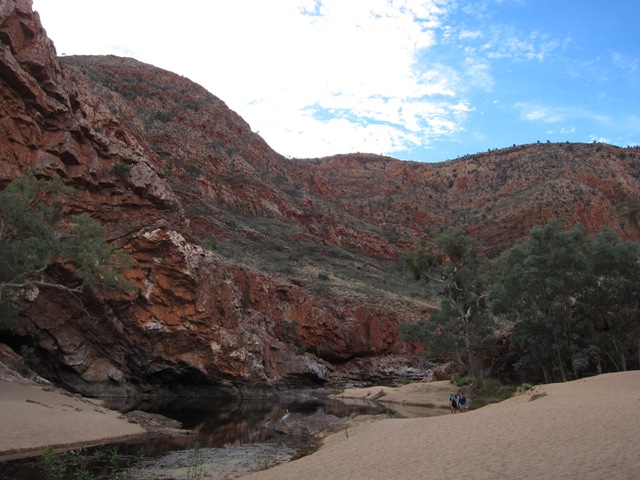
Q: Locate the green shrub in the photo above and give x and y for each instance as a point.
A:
(461, 381)
(121, 170)
(489, 391)
(524, 388)
(196, 470)
(80, 464)
(210, 243)
(290, 330)
(246, 298)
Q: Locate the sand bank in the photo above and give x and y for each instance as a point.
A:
(431, 394)
(33, 417)
(587, 429)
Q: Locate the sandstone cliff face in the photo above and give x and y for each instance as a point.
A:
(496, 197)
(250, 268)
(195, 317)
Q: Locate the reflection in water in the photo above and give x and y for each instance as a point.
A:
(217, 424)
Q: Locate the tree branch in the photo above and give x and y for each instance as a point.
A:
(42, 283)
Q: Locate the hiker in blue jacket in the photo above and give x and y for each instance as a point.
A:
(462, 402)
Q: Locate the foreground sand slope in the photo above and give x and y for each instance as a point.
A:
(587, 429)
(33, 417)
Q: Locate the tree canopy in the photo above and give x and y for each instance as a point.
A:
(572, 299)
(34, 233)
(458, 330)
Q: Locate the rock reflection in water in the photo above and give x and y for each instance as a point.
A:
(236, 431)
(218, 424)
(239, 438)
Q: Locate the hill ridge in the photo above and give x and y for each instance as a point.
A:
(252, 269)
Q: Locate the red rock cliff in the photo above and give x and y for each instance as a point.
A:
(251, 269)
(196, 317)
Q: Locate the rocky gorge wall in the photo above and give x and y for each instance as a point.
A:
(193, 318)
(251, 269)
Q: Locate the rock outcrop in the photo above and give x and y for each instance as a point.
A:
(195, 317)
(251, 269)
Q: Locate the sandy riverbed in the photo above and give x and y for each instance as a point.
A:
(587, 429)
(35, 416)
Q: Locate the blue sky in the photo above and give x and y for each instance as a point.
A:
(417, 80)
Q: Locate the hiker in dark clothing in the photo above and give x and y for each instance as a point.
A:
(453, 402)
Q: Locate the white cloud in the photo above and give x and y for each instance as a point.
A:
(625, 63)
(535, 112)
(584, 118)
(478, 73)
(508, 43)
(468, 34)
(318, 77)
(272, 61)
(598, 139)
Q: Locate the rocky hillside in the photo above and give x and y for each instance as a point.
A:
(250, 268)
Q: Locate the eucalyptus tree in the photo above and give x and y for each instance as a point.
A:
(613, 301)
(460, 328)
(34, 233)
(573, 299)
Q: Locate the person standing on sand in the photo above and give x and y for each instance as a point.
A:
(453, 402)
(462, 401)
